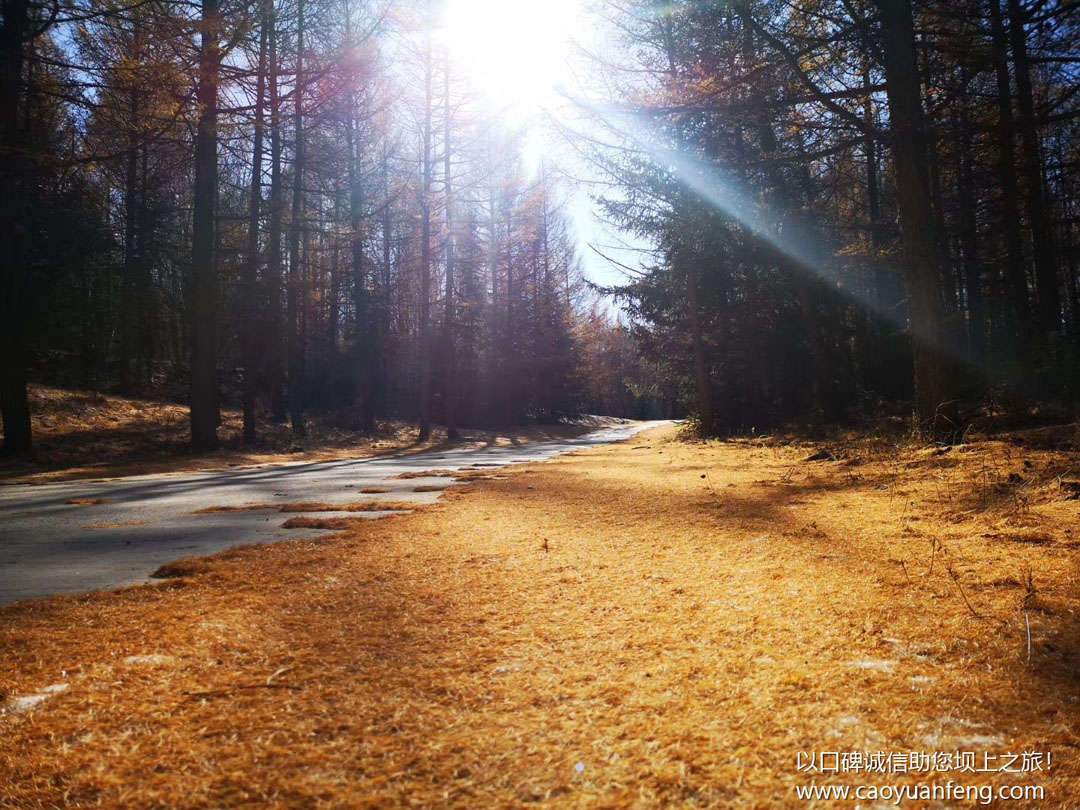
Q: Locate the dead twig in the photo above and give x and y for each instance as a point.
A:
(956, 578)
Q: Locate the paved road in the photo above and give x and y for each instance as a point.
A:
(50, 546)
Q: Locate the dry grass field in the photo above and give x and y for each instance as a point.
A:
(657, 623)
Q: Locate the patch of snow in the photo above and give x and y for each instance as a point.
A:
(25, 703)
(152, 660)
(877, 666)
(981, 741)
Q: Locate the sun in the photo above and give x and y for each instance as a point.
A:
(515, 52)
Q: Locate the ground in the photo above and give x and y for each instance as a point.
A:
(652, 624)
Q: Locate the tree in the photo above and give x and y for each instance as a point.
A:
(203, 294)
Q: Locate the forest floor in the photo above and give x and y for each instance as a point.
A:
(656, 623)
(127, 436)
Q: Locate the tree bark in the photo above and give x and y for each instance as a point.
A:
(448, 312)
(251, 265)
(969, 238)
(14, 406)
(275, 366)
(130, 305)
(917, 228)
(425, 250)
(1015, 280)
(203, 296)
(293, 291)
(1047, 295)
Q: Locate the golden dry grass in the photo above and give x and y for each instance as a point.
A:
(653, 627)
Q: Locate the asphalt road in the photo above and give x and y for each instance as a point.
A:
(49, 545)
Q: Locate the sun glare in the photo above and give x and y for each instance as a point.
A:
(515, 52)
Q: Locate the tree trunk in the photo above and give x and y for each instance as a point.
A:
(969, 239)
(14, 407)
(295, 345)
(275, 366)
(129, 297)
(448, 313)
(1015, 280)
(251, 265)
(425, 251)
(203, 296)
(917, 228)
(1047, 296)
(363, 355)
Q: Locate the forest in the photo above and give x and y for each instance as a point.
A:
(856, 205)
(539, 403)
(841, 210)
(284, 207)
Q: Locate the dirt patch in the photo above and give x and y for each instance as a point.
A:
(610, 629)
(476, 475)
(373, 490)
(429, 488)
(335, 523)
(246, 507)
(187, 567)
(86, 501)
(407, 476)
(358, 506)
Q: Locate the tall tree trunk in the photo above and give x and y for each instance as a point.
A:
(203, 296)
(382, 327)
(129, 297)
(425, 248)
(1047, 295)
(251, 265)
(14, 407)
(878, 327)
(448, 314)
(1015, 280)
(293, 291)
(969, 238)
(363, 356)
(272, 338)
(509, 355)
(917, 228)
(147, 311)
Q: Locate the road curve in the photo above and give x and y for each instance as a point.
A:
(82, 536)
